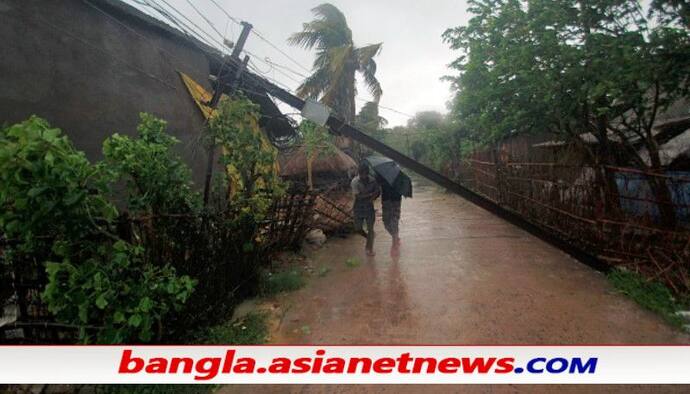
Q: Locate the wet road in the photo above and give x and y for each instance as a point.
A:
(464, 277)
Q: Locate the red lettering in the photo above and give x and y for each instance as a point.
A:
(481, 364)
(403, 360)
(334, 365)
(127, 359)
(187, 364)
(352, 365)
(207, 368)
(318, 361)
(280, 365)
(430, 365)
(505, 365)
(157, 365)
(302, 365)
(384, 365)
(449, 365)
(244, 365)
(229, 358)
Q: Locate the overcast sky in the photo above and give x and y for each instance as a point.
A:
(409, 67)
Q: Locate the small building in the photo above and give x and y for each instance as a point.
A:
(90, 67)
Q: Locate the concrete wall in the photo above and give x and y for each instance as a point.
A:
(87, 74)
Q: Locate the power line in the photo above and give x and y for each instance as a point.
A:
(273, 80)
(165, 15)
(183, 26)
(273, 66)
(257, 68)
(205, 19)
(97, 48)
(261, 37)
(285, 68)
(213, 40)
(232, 18)
(132, 30)
(175, 22)
(386, 108)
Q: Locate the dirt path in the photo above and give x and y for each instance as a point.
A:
(464, 277)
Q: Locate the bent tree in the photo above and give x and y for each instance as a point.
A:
(338, 60)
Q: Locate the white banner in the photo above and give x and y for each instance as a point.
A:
(345, 364)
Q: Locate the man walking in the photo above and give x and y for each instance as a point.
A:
(390, 206)
(365, 190)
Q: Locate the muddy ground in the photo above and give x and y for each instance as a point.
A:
(464, 276)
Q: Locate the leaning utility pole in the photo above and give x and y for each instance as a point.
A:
(221, 81)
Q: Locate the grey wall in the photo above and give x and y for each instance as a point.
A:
(90, 76)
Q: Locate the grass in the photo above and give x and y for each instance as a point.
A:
(249, 330)
(651, 295)
(272, 283)
(323, 271)
(353, 262)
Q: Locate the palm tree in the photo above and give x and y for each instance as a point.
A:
(337, 61)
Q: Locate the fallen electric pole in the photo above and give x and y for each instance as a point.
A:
(339, 127)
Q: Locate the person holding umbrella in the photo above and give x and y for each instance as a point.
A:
(365, 190)
(394, 184)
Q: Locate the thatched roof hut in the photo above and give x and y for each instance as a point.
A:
(293, 164)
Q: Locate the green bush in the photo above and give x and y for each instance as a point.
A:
(247, 156)
(48, 190)
(157, 179)
(114, 288)
(56, 215)
(117, 278)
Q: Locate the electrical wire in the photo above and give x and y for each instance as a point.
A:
(273, 66)
(147, 39)
(201, 14)
(387, 108)
(220, 45)
(166, 17)
(262, 37)
(103, 51)
(268, 60)
(232, 18)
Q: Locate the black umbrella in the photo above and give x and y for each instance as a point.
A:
(390, 172)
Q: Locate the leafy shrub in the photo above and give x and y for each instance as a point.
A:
(48, 190)
(119, 278)
(54, 209)
(157, 179)
(116, 289)
(247, 155)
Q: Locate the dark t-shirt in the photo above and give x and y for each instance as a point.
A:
(363, 206)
